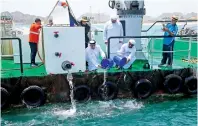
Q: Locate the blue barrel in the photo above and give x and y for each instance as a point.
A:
(120, 61)
(111, 63)
(107, 63)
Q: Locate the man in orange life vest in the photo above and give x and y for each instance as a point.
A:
(33, 39)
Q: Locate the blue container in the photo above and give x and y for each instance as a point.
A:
(107, 63)
(111, 63)
(120, 61)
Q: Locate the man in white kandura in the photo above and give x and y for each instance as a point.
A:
(113, 28)
(128, 50)
(93, 53)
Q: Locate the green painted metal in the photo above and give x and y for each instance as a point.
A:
(179, 45)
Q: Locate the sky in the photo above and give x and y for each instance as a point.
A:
(43, 7)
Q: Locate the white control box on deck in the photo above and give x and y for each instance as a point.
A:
(64, 44)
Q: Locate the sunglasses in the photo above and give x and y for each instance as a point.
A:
(173, 19)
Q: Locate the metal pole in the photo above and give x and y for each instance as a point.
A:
(152, 46)
(171, 51)
(51, 12)
(148, 50)
(108, 49)
(189, 50)
(20, 51)
(167, 22)
(10, 55)
(21, 57)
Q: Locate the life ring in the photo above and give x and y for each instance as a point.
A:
(33, 96)
(108, 91)
(173, 83)
(82, 93)
(190, 85)
(143, 89)
(4, 97)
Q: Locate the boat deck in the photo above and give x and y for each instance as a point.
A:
(9, 68)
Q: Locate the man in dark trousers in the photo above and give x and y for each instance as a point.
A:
(34, 39)
(84, 22)
(170, 30)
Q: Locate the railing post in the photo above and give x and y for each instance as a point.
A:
(20, 51)
(152, 46)
(108, 48)
(148, 50)
(21, 55)
(189, 50)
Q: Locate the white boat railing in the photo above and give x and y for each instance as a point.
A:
(151, 50)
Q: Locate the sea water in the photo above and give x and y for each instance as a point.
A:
(119, 112)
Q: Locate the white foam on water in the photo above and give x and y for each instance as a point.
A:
(133, 104)
(66, 113)
(106, 104)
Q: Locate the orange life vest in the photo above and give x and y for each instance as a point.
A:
(34, 33)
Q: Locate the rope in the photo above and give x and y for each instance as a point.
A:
(51, 12)
(193, 61)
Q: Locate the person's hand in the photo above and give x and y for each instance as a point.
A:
(99, 66)
(163, 25)
(128, 60)
(165, 29)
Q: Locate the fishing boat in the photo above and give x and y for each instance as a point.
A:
(62, 60)
(189, 31)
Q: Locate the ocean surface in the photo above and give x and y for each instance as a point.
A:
(119, 112)
(123, 112)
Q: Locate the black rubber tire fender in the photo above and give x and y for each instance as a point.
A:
(33, 96)
(143, 89)
(4, 97)
(82, 93)
(173, 83)
(190, 85)
(111, 88)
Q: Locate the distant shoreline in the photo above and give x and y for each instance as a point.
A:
(98, 18)
(151, 23)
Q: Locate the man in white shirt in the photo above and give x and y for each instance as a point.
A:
(93, 53)
(113, 28)
(128, 50)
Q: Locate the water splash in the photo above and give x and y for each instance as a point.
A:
(71, 112)
(70, 78)
(133, 104)
(129, 104)
(104, 87)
